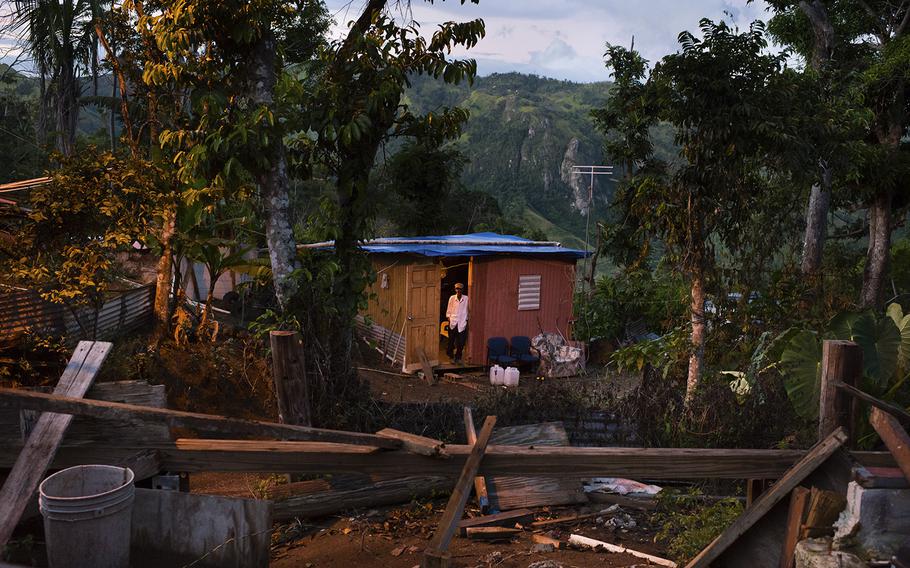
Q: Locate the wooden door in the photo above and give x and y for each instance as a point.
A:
(423, 315)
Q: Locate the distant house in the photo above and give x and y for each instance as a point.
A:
(515, 287)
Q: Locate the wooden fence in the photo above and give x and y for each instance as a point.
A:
(22, 310)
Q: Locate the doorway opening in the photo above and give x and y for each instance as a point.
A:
(455, 270)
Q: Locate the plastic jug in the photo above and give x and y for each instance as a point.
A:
(511, 376)
(496, 375)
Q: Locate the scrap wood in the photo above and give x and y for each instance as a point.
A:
(492, 533)
(799, 500)
(179, 419)
(544, 539)
(416, 444)
(640, 503)
(586, 542)
(571, 518)
(42, 444)
(480, 484)
(428, 374)
(824, 508)
(793, 477)
(895, 438)
(508, 519)
(436, 554)
(880, 477)
(892, 409)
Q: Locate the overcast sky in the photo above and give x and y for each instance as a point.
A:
(565, 39)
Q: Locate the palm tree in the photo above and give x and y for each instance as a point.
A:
(59, 37)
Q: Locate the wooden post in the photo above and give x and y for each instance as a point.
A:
(895, 438)
(480, 484)
(842, 362)
(799, 500)
(289, 373)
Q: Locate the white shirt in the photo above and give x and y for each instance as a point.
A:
(457, 312)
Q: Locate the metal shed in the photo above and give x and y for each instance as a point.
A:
(515, 286)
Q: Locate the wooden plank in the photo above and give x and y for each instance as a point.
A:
(824, 508)
(329, 500)
(799, 499)
(480, 484)
(544, 539)
(508, 519)
(455, 507)
(416, 444)
(428, 375)
(313, 457)
(892, 409)
(289, 377)
(585, 542)
(640, 503)
(564, 520)
(793, 477)
(842, 362)
(42, 444)
(492, 533)
(179, 419)
(144, 464)
(216, 531)
(895, 438)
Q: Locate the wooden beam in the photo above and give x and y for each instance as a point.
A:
(144, 464)
(545, 461)
(507, 519)
(585, 542)
(289, 375)
(799, 499)
(178, 419)
(455, 507)
(42, 444)
(793, 477)
(895, 438)
(566, 519)
(892, 409)
(842, 362)
(416, 444)
(480, 484)
(492, 533)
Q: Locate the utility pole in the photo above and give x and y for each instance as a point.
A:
(590, 171)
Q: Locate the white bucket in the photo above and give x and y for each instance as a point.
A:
(87, 511)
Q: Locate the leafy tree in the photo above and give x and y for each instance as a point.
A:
(716, 93)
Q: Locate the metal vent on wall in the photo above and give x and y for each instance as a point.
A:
(529, 292)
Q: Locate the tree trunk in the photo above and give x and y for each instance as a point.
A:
(816, 223)
(207, 310)
(820, 195)
(164, 272)
(697, 358)
(67, 105)
(274, 182)
(879, 250)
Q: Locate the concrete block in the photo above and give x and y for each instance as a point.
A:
(875, 522)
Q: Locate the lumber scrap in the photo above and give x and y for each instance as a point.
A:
(13, 398)
(544, 539)
(416, 444)
(428, 375)
(331, 500)
(895, 438)
(824, 508)
(892, 409)
(507, 519)
(817, 455)
(640, 503)
(436, 554)
(492, 533)
(567, 519)
(799, 499)
(314, 457)
(585, 542)
(480, 484)
(39, 450)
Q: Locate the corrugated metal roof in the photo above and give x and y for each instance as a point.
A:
(474, 244)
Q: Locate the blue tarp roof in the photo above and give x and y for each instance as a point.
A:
(474, 244)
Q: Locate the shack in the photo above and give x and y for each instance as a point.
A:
(515, 287)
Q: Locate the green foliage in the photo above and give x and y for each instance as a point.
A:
(95, 206)
(689, 522)
(885, 340)
(666, 354)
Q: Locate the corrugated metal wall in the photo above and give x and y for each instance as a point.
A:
(24, 309)
(494, 300)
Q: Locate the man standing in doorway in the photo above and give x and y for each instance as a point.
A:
(457, 314)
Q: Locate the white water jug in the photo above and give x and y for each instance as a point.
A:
(496, 375)
(511, 377)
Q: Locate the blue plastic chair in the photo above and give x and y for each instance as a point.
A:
(521, 350)
(498, 351)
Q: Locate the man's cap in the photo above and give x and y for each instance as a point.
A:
(459, 286)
